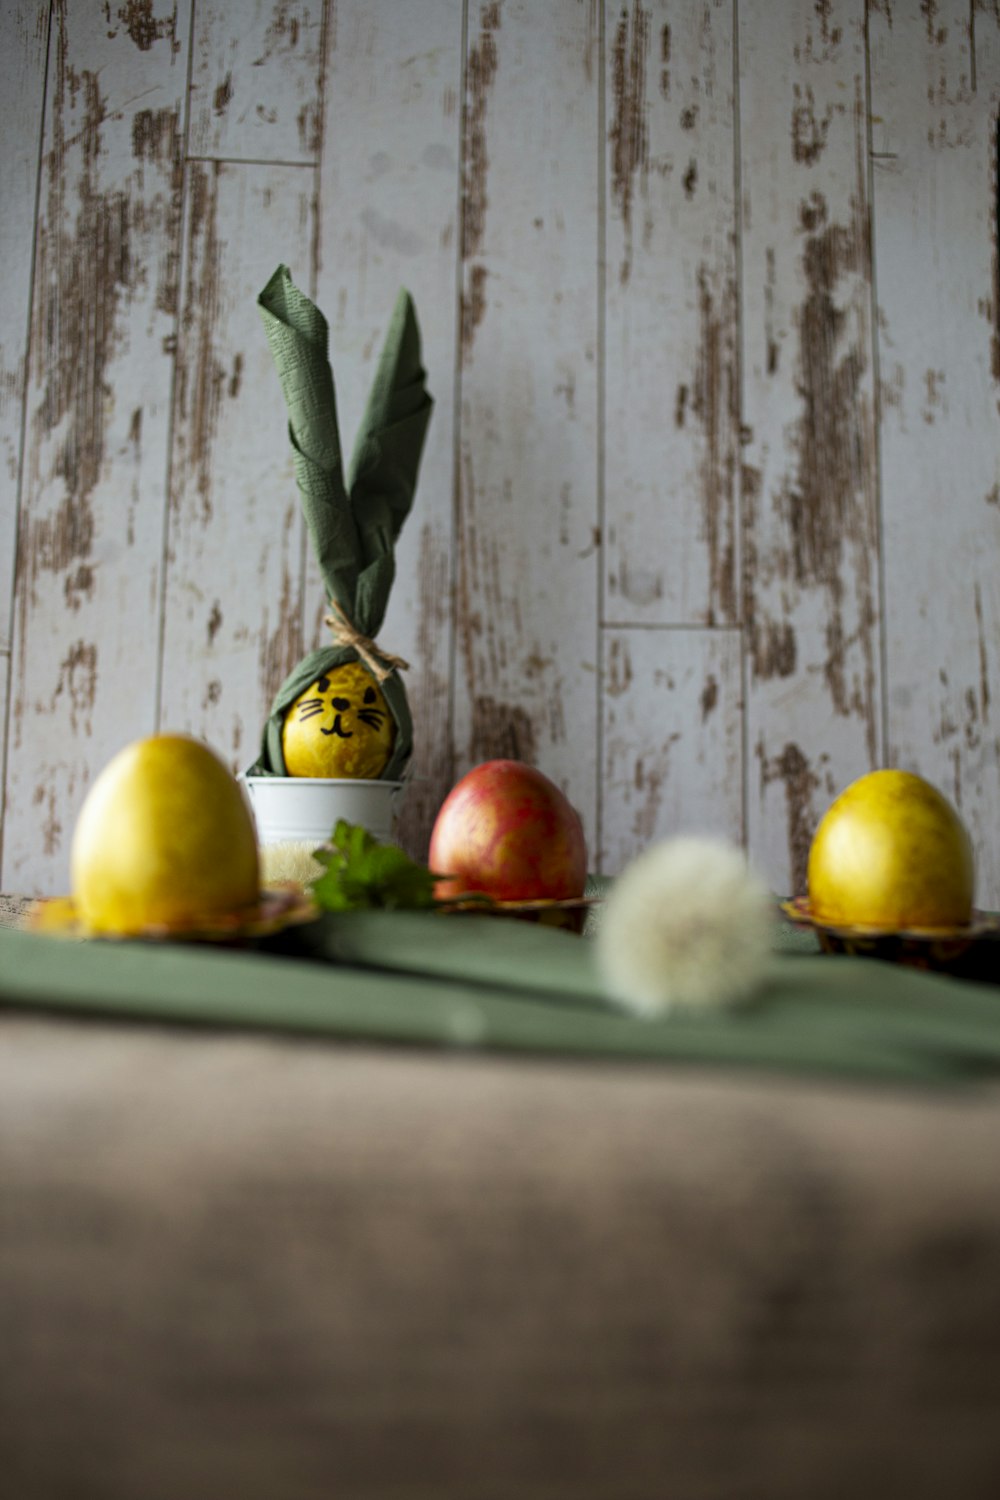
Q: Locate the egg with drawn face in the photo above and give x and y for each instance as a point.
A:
(339, 726)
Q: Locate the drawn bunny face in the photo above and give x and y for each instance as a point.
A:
(339, 726)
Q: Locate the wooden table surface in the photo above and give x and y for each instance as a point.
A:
(269, 1267)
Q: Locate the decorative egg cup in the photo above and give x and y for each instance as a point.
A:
(971, 951)
(569, 915)
(277, 908)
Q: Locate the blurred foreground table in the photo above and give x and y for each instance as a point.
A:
(263, 1266)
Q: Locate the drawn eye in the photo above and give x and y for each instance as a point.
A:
(323, 683)
(369, 695)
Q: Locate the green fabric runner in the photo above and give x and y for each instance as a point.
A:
(485, 983)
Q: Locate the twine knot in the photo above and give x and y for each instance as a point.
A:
(381, 664)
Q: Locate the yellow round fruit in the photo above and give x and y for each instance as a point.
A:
(340, 726)
(163, 840)
(891, 853)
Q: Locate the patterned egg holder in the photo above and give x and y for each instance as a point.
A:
(278, 908)
(570, 915)
(971, 951)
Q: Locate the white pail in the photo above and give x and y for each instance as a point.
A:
(304, 809)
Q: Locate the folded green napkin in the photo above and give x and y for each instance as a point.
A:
(353, 526)
(484, 983)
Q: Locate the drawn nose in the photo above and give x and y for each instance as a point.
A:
(340, 704)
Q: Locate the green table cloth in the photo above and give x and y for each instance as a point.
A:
(479, 982)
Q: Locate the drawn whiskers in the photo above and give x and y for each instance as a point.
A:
(372, 717)
(310, 707)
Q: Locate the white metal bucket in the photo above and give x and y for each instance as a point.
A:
(304, 809)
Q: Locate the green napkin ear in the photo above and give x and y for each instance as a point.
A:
(390, 441)
(299, 338)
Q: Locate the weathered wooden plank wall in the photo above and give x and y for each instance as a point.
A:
(809, 499)
(936, 105)
(671, 690)
(98, 403)
(232, 613)
(22, 88)
(389, 215)
(708, 521)
(526, 564)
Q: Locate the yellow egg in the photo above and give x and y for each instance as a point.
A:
(891, 853)
(340, 726)
(164, 838)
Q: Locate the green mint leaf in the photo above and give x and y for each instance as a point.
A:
(359, 873)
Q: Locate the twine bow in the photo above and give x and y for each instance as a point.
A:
(381, 664)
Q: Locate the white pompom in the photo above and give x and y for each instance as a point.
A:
(687, 926)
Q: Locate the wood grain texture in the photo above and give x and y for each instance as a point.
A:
(672, 375)
(672, 739)
(712, 323)
(527, 579)
(255, 79)
(233, 602)
(809, 496)
(22, 88)
(389, 220)
(103, 324)
(936, 98)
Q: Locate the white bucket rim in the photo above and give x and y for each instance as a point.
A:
(299, 781)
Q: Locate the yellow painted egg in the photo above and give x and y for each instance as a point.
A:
(340, 726)
(891, 853)
(164, 839)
